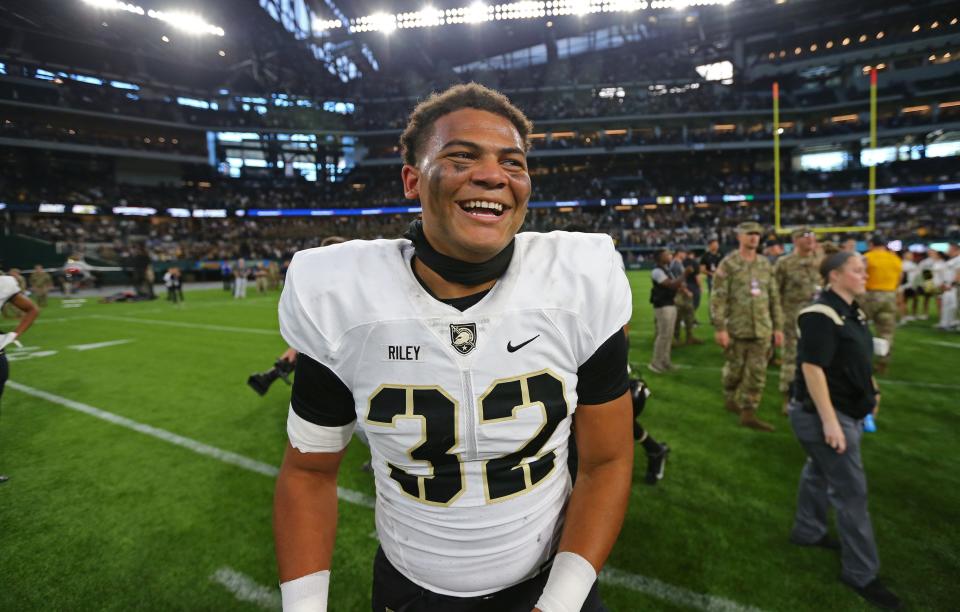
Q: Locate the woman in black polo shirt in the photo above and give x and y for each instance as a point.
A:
(833, 392)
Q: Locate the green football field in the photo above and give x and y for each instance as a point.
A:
(141, 474)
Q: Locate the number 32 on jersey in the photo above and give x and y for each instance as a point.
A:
(503, 477)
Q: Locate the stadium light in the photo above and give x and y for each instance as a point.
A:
(480, 12)
(477, 12)
(181, 20)
(113, 5)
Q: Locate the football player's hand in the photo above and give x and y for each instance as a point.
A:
(778, 338)
(6, 339)
(722, 338)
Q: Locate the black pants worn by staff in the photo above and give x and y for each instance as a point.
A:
(392, 591)
(833, 479)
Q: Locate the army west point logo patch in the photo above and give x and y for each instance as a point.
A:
(463, 337)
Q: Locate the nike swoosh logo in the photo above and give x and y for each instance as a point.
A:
(513, 349)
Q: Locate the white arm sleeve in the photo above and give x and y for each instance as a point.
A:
(307, 593)
(308, 437)
(568, 585)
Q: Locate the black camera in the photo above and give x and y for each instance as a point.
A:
(261, 382)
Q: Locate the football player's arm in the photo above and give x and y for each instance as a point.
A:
(305, 512)
(598, 503)
(30, 312)
(320, 422)
(604, 438)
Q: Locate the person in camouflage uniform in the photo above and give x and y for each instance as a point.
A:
(745, 310)
(798, 283)
(40, 285)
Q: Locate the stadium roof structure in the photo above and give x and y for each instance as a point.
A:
(433, 34)
(197, 45)
(318, 48)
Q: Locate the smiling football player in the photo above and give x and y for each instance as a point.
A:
(465, 352)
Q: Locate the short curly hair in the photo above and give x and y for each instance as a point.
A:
(469, 95)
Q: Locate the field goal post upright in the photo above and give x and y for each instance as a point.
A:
(776, 158)
(872, 170)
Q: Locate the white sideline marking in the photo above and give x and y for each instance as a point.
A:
(610, 575)
(156, 432)
(43, 319)
(226, 328)
(670, 593)
(96, 345)
(354, 497)
(942, 343)
(245, 589)
(24, 355)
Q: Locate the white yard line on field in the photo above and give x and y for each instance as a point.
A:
(43, 319)
(244, 588)
(955, 345)
(155, 310)
(206, 326)
(97, 345)
(668, 592)
(650, 586)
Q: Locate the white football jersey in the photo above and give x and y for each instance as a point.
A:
(468, 413)
(9, 287)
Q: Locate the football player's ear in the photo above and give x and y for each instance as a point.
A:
(411, 182)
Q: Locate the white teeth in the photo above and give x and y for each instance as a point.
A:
(494, 206)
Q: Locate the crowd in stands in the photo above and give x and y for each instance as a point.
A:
(81, 134)
(77, 130)
(636, 229)
(586, 179)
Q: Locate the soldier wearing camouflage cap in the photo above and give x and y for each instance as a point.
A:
(798, 283)
(745, 310)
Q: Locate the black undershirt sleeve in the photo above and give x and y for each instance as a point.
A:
(319, 396)
(604, 377)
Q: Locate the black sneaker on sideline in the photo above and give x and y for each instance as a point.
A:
(877, 594)
(657, 464)
(827, 541)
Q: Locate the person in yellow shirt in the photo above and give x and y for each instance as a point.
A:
(880, 303)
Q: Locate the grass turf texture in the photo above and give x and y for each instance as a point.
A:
(97, 516)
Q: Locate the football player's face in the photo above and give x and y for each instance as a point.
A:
(472, 182)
